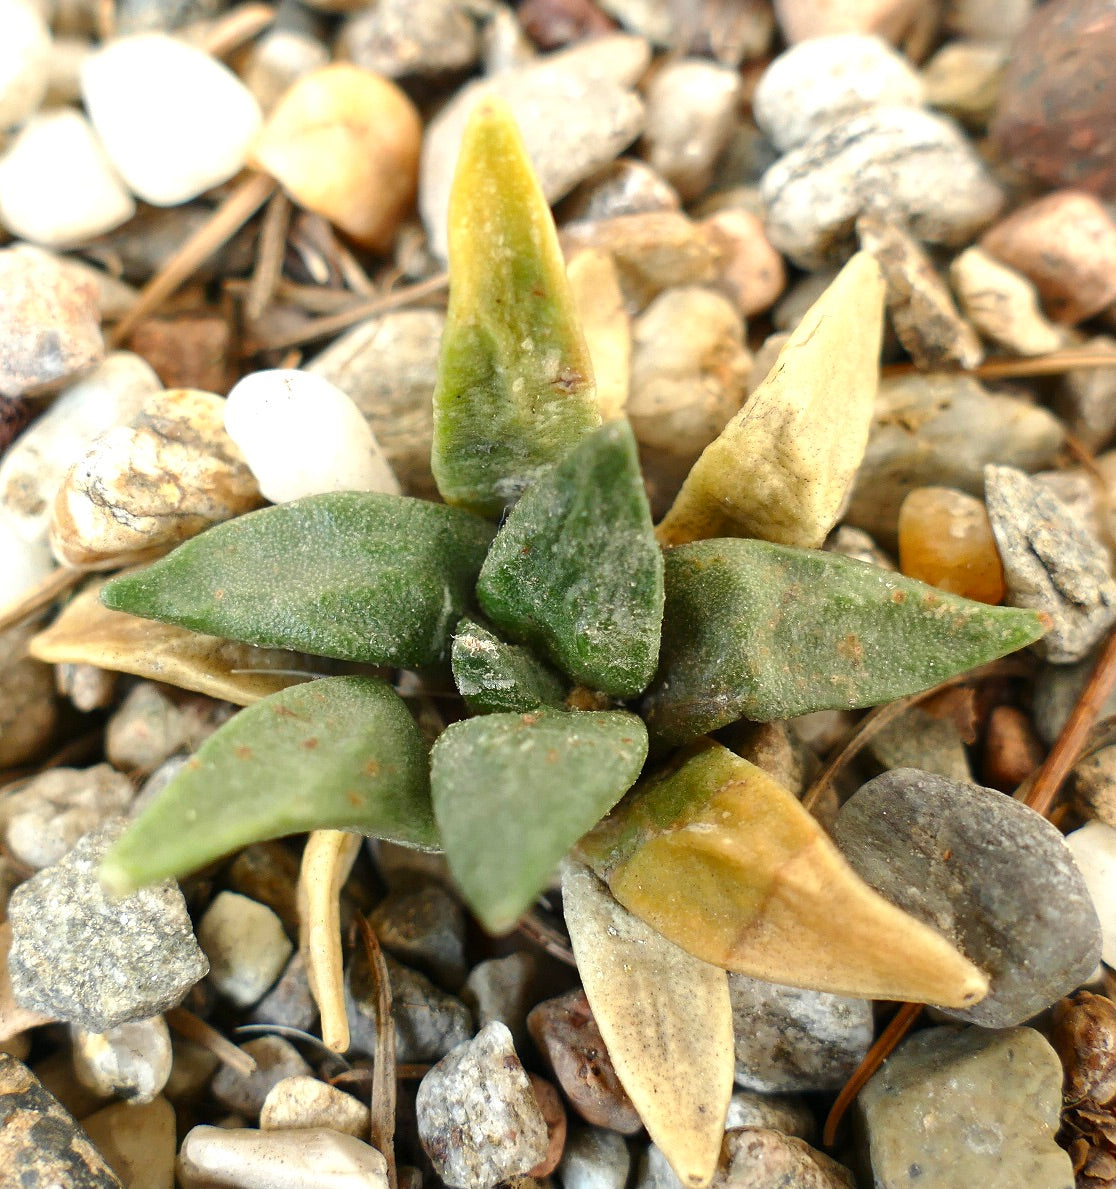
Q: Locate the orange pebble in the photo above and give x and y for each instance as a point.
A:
(1012, 750)
(945, 539)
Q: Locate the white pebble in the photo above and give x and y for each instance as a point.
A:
(23, 564)
(1094, 850)
(301, 436)
(175, 121)
(131, 1061)
(57, 186)
(24, 49)
(246, 947)
(303, 1102)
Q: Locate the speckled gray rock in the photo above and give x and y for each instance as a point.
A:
(275, 1060)
(778, 1112)
(1052, 563)
(941, 429)
(478, 1118)
(594, 1158)
(425, 928)
(429, 1022)
(1008, 895)
(397, 38)
(96, 962)
(791, 1039)
(41, 1146)
(900, 163)
(42, 817)
(503, 989)
(131, 1061)
(576, 111)
(954, 1107)
(826, 79)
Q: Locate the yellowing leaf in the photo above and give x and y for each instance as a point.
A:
(666, 1019)
(606, 325)
(781, 467)
(728, 865)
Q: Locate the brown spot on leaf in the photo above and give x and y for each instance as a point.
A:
(243, 752)
(372, 768)
(851, 649)
(310, 744)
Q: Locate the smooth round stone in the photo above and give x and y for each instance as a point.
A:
(963, 79)
(23, 564)
(1094, 850)
(803, 19)
(246, 947)
(344, 143)
(903, 164)
(174, 121)
(57, 186)
(1002, 304)
(945, 539)
(244, 1094)
(24, 50)
(623, 187)
(594, 1159)
(827, 79)
(137, 1141)
(131, 1061)
(302, 436)
(300, 1102)
(787, 1113)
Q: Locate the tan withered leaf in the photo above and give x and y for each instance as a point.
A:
(666, 1019)
(728, 865)
(604, 319)
(781, 467)
(88, 633)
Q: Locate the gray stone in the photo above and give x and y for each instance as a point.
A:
(429, 1022)
(623, 187)
(503, 989)
(917, 739)
(576, 111)
(1052, 563)
(148, 727)
(1057, 688)
(900, 163)
(1093, 779)
(791, 1039)
(131, 1061)
(278, 60)
(425, 928)
(146, 16)
(43, 816)
(594, 1158)
(964, 1106)
(777, 1112)
(94, 961)
(989, 873)
(941, 430)
(478, 1118)
(1086, 397)
(41, 1146)
(762, 1158)
(245, 1094)
(397, 38)
(289, 1003)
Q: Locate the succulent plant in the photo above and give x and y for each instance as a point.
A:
(592, 659)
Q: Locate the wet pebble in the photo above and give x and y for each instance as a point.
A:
(828, 79)
(246, 947)
(1052, 564)
(478, 1118)
(425, 928)
(901, 163)
(131, 1061)
(967, 1106)
(245, 1093)
(1094, 851)
(400, 38)
(594, 1159)
(790, 1039)
(94, 960)
(301, 1101)
(991, 874)
(24, 53)
(138, 1142)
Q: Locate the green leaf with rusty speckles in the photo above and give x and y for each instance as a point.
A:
(342, 753)
(357, 575)
(515, 385)
(761, 631)
(576, 570)
(496, 677)
(513, 792)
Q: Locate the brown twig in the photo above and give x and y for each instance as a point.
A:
(1053, 364)
(547, 937)
(269, 255)
(383, 1071)
(194, 1028)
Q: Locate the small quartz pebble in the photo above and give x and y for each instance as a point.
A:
(478, 1118)
(1066, 244)
(791, 1039)
(191, 131)
(1052, 563)
(137, 1141)
(94, 961)
(131, 1061)
(565, 1031)
(314, 1158)
(58, 209)
(1094, 851)
(170, 473)
(762, 1157)
(33, 468)
(1002, 304)
(1086, 397)
(24, 52)
(397, 38)
(967, 1106)
(903, 164)
(302, 1101)
(576, 112)
(50, 326)
(963, 79)
(27, 708)
(991, 874)
(302, 436)
(41, 1145)
(246, 947)
(625, 186)
(344, 142)
(425, 928)
(786, 1113)
(827, 79)
(751, 272)
(276, 1060)
(919, 302)
(691, 110)
(945, 539)
(802, 19)
(44, 816)
(594, 1159)
(148, 728)
(503, 989)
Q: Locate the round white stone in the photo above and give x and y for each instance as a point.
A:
(246, 947)
(174, 121)
(23, 564)
(1094, 850)
(57, 185)
(131, 1061)
(24, 50)
(302, 436)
